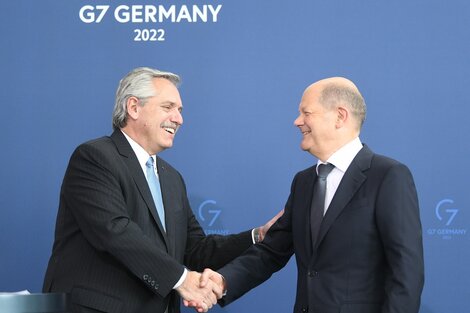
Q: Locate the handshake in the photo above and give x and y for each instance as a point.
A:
(202, 290)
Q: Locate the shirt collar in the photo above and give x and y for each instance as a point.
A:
(342, 158)
(142, 155)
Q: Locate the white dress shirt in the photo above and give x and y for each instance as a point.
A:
(341, 159)
(142, 157)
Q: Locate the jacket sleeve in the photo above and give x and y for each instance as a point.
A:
(261, 260)
(212, 251)
(399, 226)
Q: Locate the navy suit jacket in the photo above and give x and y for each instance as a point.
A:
(368, 258)
(110, 251)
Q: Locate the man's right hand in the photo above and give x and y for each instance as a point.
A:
(202, 298)
(211, 277)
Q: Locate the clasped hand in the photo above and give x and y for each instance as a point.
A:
(201, 291)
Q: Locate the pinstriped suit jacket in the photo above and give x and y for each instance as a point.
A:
(110, 251)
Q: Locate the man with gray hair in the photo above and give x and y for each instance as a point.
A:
(352, 220)
(126, 239)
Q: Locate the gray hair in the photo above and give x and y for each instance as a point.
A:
(334, 94)
(138, 83)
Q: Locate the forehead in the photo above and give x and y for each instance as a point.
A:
(310, 98)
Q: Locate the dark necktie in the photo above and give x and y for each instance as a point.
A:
(318, 200)
(154, 185)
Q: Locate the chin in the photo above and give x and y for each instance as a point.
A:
(163, 147)
(304, 147)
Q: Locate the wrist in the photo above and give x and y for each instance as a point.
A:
(182, 279)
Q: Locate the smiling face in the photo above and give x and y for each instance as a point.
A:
(154, 124)
(331, 113)
(317, 124)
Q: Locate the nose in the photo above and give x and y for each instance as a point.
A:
(298, 121)
(177, 117)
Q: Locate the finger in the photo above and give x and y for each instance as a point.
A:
(206, 275)
(212, 299)
(203, 307)
(217, 290)
(192, 303)
(200, 307)
(208, 297)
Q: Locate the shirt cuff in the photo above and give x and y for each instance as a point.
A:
(182, 278)
(255, 235)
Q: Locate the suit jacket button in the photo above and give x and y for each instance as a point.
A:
(156, 286)
(152, 283)
(304, 310)
(145, 277)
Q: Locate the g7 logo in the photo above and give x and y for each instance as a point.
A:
(214, 212)
(90, 14)
(452, 212)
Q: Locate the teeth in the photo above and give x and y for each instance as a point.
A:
(170, 130)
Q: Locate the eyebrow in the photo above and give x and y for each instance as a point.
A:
(172, 104)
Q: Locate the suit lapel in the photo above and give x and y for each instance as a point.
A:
(130, 159)
(351, 182)
(306, 213)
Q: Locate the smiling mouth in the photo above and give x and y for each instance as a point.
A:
(305, 132)
(170, 130)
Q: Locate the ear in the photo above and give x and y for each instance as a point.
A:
(133, 107)
(342, 116)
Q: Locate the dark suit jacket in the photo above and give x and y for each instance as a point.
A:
(369, 256)
(110, 251)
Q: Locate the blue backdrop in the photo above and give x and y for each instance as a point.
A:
(244, 66)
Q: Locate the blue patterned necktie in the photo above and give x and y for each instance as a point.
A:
(318, 200)
(154, 185)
